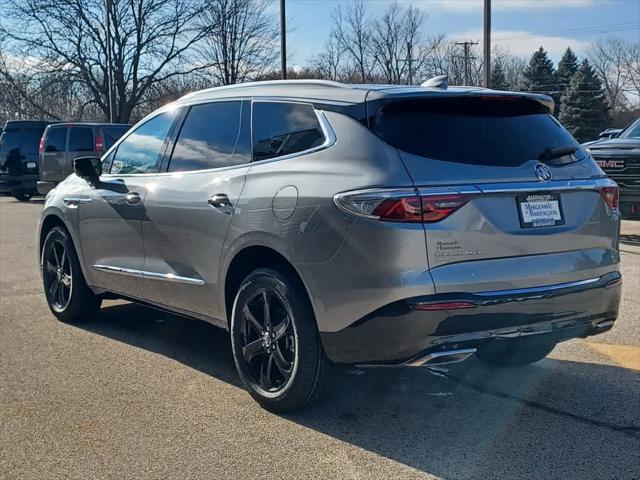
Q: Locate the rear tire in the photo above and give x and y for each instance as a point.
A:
(515, 352)
(68, 296)
(277, 349)
(22, 195)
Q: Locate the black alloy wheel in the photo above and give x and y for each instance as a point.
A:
(58, 276)
(68, 295)
(268, 341)
(275, 341)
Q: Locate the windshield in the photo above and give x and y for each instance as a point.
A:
(498, 131)
(632, 131)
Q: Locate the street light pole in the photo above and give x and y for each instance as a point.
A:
(283, 40)
(487, 43)
(109, 61)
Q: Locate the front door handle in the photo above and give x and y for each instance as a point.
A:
(219, 200)
(132, 198)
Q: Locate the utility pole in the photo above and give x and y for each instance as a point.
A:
(467, 56)
(410, 62)
(487, 43)
(109, 61)
(283, 40)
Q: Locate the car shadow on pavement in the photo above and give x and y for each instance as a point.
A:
(630, 239)
(553, 419)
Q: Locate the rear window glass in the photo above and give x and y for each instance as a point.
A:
(480, 131)
(113, 134)
(81, 139)
(56, 139)
(284, 128)
(20, 141)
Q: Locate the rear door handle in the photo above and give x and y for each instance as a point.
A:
(219, 200)
(132, 198)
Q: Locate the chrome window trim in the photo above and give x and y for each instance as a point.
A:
(167, 277)
(327, 130)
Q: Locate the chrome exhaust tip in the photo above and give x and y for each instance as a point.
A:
(441, 358)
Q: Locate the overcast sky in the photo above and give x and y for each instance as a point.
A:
(519, 25)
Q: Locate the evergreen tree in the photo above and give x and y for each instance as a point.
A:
(585, 111)
(498, 79)
(567, 68)
(540, 75)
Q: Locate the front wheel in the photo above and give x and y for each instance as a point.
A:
(275, 342)
(516, 351)
(68, 296)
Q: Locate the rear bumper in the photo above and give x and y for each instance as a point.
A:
(11, 183)
(401, 331)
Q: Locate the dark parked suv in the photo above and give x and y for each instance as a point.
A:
(63, 142)
(19, 157)
(619, 157)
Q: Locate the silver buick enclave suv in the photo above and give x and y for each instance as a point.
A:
(324, 223)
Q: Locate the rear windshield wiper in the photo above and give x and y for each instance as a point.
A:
(557, 152)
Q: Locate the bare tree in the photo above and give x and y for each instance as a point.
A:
(150, 41)
(608, 58)
(242, 39)
(399, 48)
(352, 32)
(327, 65)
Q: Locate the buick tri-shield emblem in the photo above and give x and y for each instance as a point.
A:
(543, 172)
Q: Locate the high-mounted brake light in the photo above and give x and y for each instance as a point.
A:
(401, 205)
(611, 196)
(41, 146)
(99, 144)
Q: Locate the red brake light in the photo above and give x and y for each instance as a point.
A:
(41, 146)
(406, 209)
(99, 144)
(610, 195)
(401, 205)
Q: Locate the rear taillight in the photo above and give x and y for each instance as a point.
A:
(41, 146)
(401, 205)
(99, 144)
(611, 196)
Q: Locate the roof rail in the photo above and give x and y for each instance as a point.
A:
(441, 81)
(324, 83)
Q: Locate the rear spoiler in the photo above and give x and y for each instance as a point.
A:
(454, 92)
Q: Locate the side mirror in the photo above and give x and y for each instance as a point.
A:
(88, 168)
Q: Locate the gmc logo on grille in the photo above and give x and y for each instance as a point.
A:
(610, 163)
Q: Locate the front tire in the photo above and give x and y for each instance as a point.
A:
(515, 352)
(275, 342)
(68, 296)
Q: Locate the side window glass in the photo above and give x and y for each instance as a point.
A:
(56, 140)
(207, 138)
(81, 139)
(284, 128)
(140, 151)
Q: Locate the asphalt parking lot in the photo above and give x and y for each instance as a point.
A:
(141, 394)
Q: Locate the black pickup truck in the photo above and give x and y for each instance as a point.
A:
(619, 157)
